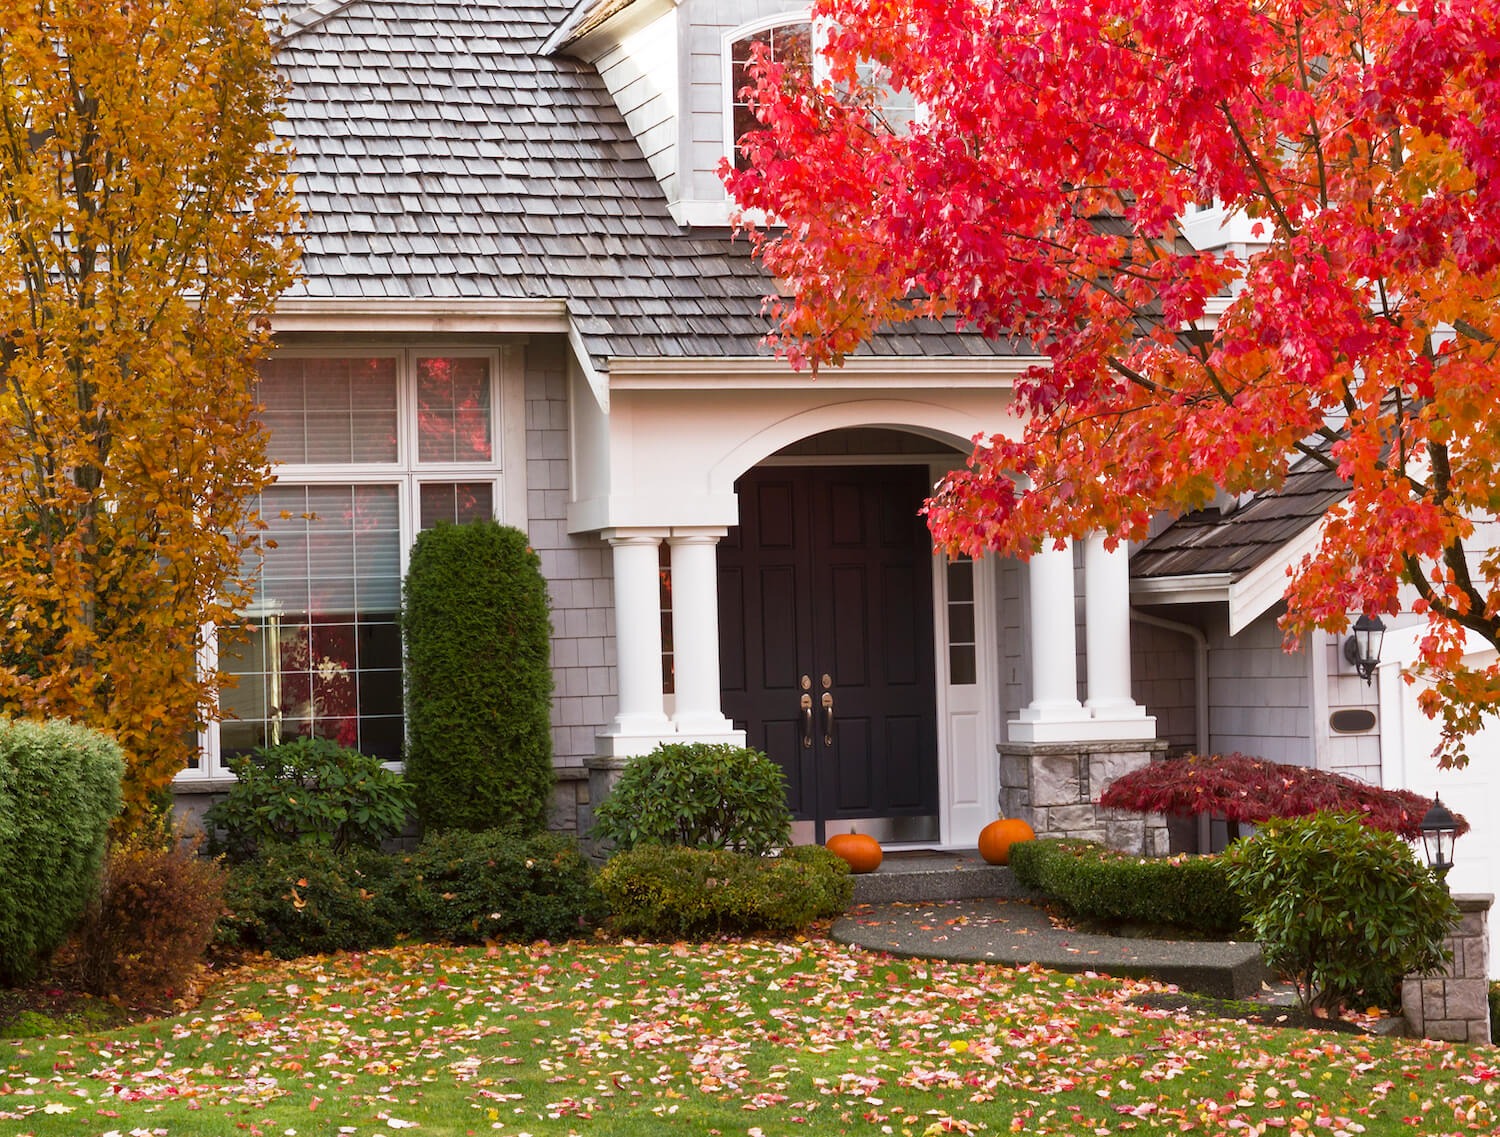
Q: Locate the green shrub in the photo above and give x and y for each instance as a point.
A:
(156, 912)
(698, 796)
(479, 679)
(308, 790)
(59, 791)
(1181, 891)
(1340, 908)
(307, 899)
(672, 893)
(470, 887)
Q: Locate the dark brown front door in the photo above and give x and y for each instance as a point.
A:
(825, 594)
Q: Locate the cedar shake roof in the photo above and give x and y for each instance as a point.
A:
(440, 155)
(1208, 541)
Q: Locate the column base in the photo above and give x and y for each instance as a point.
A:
(1054, 785)
(1085, 729)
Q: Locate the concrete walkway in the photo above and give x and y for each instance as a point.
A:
(905, 909)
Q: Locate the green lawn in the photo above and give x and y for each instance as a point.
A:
(752, 1039)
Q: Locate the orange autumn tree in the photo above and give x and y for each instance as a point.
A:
(145, 229)
(1038, 194)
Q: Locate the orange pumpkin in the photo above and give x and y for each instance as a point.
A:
(996, 838)
(861, 850)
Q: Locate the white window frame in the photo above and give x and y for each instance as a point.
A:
(503, 472)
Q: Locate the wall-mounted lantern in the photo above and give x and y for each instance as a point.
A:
(1362, 649)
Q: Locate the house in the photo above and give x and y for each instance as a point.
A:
(522, 300)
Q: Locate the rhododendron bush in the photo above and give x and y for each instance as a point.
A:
(1037, 195)
(1242, 789)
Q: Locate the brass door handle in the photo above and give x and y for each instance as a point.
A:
(827, 718)
(807, 721)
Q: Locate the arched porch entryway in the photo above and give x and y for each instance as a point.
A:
(829, 633)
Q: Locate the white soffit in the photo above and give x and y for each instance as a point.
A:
(1259, 589)
(863, 373)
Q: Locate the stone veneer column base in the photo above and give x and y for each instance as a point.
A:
(1054, 785)
(1454, 1004)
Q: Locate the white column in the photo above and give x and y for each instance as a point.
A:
(1106, 608)
(1054, 651)
(1106, 614)
(695, 635)
(638, 636)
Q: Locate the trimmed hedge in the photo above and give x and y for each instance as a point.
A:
(479, 680)
(59, 791)
(676, 893)
(1184, 891)
(698, 795)
(458, 886)
(470, 887)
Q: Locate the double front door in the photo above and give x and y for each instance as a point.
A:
(826, 639)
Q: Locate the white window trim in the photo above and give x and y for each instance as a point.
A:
(504, 472)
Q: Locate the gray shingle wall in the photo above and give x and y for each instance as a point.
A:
(1162, 681)
(1354, 755)
(578, 569)
(1261, 696)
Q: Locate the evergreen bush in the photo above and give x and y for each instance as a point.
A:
(699, 796)
(308, 790)
(470, 887)
(1340, 908)
(308, 899)
(479, 680)
(1180, 891)
(59, 791)
(670, 893)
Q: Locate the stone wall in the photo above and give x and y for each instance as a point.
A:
(1454, 1005)
(1054, 785)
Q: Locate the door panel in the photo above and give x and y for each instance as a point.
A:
(826, 590)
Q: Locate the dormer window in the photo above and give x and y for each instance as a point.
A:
(790, 43)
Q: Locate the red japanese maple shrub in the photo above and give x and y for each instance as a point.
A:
(1244, 789)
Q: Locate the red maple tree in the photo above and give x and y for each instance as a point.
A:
(1038, 195)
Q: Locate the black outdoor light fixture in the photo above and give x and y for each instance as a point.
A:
(1362, 649)
(1439, 831)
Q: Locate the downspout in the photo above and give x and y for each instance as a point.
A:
(1200, 691)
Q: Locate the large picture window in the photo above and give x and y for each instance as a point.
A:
(369, 449)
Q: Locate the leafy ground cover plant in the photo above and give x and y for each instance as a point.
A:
(59, 791)
(309, 790)
(779, 1037)
(670, 893)
(1340, 908)
(1180, 891)
(1243, 789)
(700, 796)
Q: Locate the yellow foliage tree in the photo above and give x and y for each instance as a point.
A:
(146, 227)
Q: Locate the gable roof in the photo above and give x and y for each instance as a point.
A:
(441, 155)
(1210, 541)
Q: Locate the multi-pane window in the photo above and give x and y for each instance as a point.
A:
(369, 450)
(790, 44)
(962, 640)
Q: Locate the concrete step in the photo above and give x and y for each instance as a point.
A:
(915, 877)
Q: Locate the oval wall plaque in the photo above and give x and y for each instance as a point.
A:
(1352, 722)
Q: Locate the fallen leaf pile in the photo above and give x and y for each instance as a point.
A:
(755, 1039)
